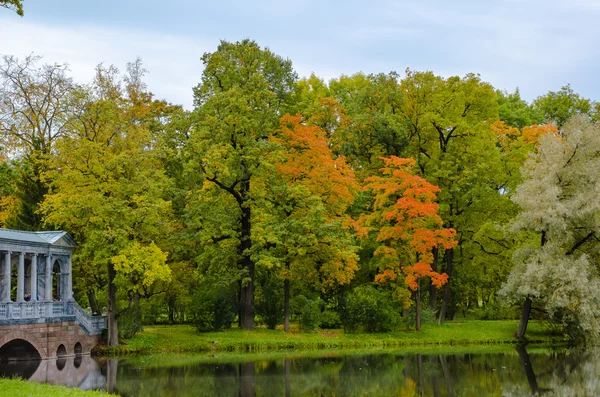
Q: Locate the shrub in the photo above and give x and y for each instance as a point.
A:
(308, 311)
(330, 319)
(213, 309)
(370, 308)
(270, 305)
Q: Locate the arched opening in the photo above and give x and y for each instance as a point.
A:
(18, 350)
(61, 363)
(56, 282)
(61, 351)
(78, 349)
(77, 361)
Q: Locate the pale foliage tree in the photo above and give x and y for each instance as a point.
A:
(559, 202)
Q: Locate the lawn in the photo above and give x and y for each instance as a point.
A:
(185, 339)
(22, 388)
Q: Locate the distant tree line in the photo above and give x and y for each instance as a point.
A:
(369, 202)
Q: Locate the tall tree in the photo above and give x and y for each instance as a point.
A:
(34, 113)
(557, 271)
(559, 106)
(306, 230)
(407, 226)
(449, 135)
(243, 92)
(107, 189)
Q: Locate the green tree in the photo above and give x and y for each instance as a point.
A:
(559, 106)
(107, 189)
(558, 269)
(450, 137)
(515, 111)
(305, 230)
(243, 92)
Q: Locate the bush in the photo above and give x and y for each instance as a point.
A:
(330, 319)
(270, 305)
(213, 309)
(308, 311)
(495, 311)
(130, 323)
(371, 309)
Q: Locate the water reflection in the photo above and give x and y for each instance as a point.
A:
(81, 372)
(512, 372)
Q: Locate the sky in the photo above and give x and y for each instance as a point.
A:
(535, 45)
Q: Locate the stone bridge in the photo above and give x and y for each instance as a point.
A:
(39, 319)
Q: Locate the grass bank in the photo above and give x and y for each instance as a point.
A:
(185, 339)
(22, 388)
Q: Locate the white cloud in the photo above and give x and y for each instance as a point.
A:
(173, 62)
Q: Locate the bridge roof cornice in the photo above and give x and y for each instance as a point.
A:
(57, 242)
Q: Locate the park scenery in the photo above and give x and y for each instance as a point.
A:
(398, 233)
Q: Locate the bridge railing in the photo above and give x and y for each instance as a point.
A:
(12, 311)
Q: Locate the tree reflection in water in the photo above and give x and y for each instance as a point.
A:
(511, 372)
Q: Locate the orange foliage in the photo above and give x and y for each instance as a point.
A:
(507, 135)
(406, 218)
(532, 134)
(310, 162)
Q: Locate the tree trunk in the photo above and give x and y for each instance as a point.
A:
(288, 376)
(418, 307)
(286, 305)
(432, 288)
(112, 367)
(449, 256)
(529, 373)
(447, 377)
(93, 302)
(247, 380)
(420, 385)
(524, 318)
(113, 331)
(527, 305)
(247, 292)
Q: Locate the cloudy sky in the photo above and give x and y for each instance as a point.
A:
(536, 45)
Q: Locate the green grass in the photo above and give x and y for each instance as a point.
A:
(22, 388)
(185, 339)
(172, 360)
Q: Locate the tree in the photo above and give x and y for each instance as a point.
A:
(560, 106)
(306, 231)
(557, 270)
(516, 112)
(15, 5)
(407, 226)
(244, 91)
(34, 113)
(107, 189)
(374, 126)
(450, 137)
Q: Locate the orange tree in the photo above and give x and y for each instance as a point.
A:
(406, 225)
(303, 224)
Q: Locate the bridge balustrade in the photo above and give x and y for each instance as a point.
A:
(11, 312)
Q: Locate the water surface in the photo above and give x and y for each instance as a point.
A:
(494, 371)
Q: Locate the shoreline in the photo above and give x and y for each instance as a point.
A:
(185, 339)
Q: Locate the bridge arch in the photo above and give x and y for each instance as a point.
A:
(27, 337)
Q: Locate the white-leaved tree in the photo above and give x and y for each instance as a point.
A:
(558, 273)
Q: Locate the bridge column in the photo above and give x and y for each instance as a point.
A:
(21, 278)
(6, 280)
(69, 296)
(48, 288)
(33, 278)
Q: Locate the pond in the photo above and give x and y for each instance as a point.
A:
(458, 371)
